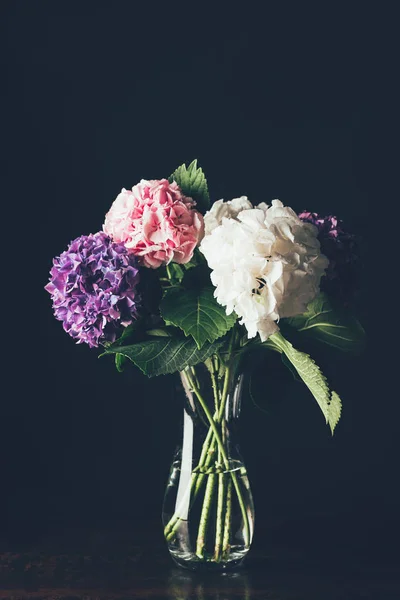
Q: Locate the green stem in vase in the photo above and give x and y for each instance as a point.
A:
(225, 459)
(206, 453)
(194, 489)
(209, 445)
(208, 450)
(201, 538)
(211, 442)
(213, 370)
(206, 457)
(227, 524)
(211, 450)
(173, 524)
(224, 396)
(221, 477)
(220, 517)
(220, 504)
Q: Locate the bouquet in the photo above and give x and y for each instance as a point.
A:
(176, 284)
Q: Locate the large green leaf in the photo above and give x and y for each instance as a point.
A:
(193, 183)
(326, 324)
(328, 401)
(197, 313)
(164, 355)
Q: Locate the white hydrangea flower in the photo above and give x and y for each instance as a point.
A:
(221, 209)
(266, 263)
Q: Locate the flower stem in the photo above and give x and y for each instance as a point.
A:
(205, 471)
(201, 538)
(224, 457)
(206, 457)
(227, 524)
(206, 464)
(220, 520)
(221, 476)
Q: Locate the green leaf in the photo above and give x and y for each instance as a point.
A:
(197, 313)
(291, 368)
(127, 332)
(160, 332)
(119, 362)
(328, 325)
(335, 410)
(193, 183)
(164, 355)
(328, 401)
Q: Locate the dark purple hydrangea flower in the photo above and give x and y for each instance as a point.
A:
(93, 288)
(341, 248)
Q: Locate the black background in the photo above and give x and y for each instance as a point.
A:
(287, 105)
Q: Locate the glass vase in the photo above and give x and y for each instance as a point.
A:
(208, 511)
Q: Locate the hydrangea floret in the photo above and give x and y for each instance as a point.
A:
(93, 285)
(156, 222)
(265, 262)
(343, 252)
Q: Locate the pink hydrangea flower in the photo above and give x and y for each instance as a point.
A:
(155, 222)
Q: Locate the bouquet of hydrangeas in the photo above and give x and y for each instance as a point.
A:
(175, 284)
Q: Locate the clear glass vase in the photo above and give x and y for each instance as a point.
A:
(208, 511)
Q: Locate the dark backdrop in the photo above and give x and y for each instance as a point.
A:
(272, 105)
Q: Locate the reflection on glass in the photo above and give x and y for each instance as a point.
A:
(189, 585)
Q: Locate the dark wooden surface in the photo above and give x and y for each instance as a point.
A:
(312, 559)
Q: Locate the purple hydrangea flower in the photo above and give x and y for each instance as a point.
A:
(341, 248)
(93, 288)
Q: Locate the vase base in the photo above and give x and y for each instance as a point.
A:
(191, 562)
